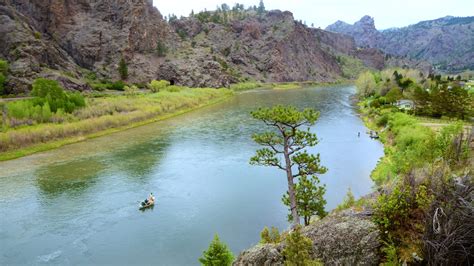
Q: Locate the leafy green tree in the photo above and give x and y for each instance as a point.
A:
(309, 197)
(298, 249)
(366, 85)
(393, 95)
(218, 254)
(289, 141)
(123, 68)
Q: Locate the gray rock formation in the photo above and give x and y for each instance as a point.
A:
(339, 239)
(446, 42)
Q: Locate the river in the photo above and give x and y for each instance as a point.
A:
(78, 204)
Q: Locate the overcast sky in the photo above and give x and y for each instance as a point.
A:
(387, 14)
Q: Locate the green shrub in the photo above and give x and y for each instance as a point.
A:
(130, 91)
(298, 249)
(270, 236)
(51, 92)
(118, 85)
(156, 86)
(218, 254)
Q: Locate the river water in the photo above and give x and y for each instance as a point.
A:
(78, 204)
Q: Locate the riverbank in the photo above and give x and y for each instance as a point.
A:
(105, 115)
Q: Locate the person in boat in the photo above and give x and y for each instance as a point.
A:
(149, 200)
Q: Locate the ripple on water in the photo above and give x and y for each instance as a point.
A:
(50, 257)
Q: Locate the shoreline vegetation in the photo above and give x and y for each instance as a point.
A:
(428, 158)
(28, 127)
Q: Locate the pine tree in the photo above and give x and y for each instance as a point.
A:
(309, 197)
(288, 141)
(218, 254)
(261, 8)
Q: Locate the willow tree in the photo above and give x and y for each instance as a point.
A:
(285, 146)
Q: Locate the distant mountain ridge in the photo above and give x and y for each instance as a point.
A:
(447, 42)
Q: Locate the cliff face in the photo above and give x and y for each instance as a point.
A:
(67, 40)
(70, 35)
(273, 47)
(447, 42)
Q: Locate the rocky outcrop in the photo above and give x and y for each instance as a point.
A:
(445, 42)
(273, 47)
(363, 31)
(348, 238)
(67, 40)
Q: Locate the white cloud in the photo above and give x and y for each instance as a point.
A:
(387, 14)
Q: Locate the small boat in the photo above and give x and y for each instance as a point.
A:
(146, 205)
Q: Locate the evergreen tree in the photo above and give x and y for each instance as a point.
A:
(297, 250)
(3, 75)
(218, 254)
(123, 69)
(289, 141)
(261, 8)
(309, 197)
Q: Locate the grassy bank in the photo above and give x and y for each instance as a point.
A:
(417, 176)
(104, 115)
(245, 86)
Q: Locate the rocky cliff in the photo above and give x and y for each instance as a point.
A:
(72, 40)
(447, 42)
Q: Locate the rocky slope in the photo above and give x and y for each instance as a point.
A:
(447, 43)
(74, 40)
(348, 238)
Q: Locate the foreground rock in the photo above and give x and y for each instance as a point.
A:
(348, 238)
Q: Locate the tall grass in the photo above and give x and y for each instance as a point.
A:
(110, 112)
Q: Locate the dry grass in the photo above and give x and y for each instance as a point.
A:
(109, 113)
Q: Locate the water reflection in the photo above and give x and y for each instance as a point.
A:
(139, 160)
(73, 177)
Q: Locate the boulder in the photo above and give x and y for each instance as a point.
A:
(347, 238)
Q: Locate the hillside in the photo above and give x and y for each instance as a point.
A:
(81, 42)
(447, 43)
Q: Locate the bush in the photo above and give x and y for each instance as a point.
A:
(130, 91)
(270, 236)
(217, 254)
(49, 91)
(298, 249)
(118, 85)
(156, 86)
